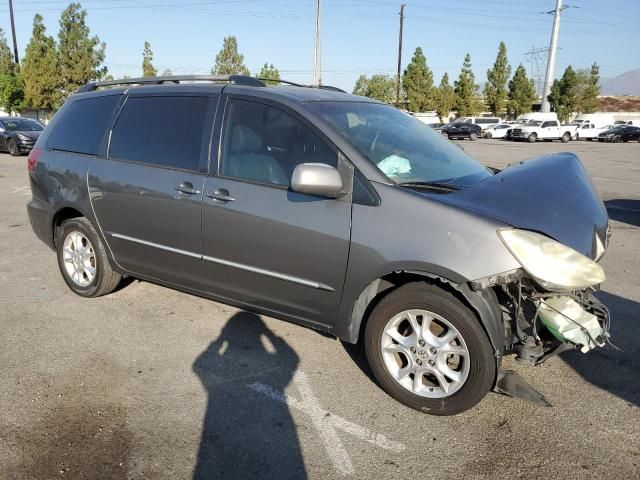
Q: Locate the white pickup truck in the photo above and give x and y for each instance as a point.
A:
(533, 130)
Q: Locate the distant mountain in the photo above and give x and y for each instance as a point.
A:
(627, 83)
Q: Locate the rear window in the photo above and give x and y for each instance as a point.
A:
(83, 125)
(163, 131)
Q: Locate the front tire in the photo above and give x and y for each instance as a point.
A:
(473, 137)
(12, 147)
(617, 139)
(532, 138)
(428, 350)
(83, 260)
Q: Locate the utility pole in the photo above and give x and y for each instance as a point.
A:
(551, 60)
(399, 55)
(13, 32)
(317, 66)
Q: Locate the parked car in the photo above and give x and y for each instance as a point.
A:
(620, 133)
(533, 130)
(437, 125)
(331, 210)
(459, 131)
(497, 131)
(18, 135)
(588, 131)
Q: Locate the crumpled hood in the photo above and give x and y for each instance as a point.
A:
(551, 194)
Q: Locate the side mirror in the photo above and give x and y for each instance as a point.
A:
(316, 179)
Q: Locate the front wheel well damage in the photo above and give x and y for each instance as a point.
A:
(483, 304)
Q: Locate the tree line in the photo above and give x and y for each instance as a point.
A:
(576, 91)
(52, 69)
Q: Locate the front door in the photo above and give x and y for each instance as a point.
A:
(265, 245)
(147, 194)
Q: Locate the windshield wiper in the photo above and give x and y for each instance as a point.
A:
(448, 187)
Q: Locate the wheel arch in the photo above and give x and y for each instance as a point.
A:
(483, 303)
(61, 215)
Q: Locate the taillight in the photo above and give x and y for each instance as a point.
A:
(32, 160)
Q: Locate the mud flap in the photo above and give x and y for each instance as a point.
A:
(511, 384)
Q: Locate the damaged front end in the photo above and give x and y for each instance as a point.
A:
(540, 324)
(548, 305)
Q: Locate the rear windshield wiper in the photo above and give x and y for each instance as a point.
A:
(442, 186)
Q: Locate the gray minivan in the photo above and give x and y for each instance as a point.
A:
(333, 211)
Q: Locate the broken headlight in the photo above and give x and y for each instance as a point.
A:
(554, 265)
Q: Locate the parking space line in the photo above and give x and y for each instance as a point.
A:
(326, 423)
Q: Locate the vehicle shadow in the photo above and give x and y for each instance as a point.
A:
(615, 371)
(246, 434)
(624, 210)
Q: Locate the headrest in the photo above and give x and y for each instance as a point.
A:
(245, 140)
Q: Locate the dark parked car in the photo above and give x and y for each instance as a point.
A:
(18, 135)
(437, 125)
(460, 130)
(333, 211)
(623, 133)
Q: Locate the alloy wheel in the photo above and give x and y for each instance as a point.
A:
(425, 353)
(79, 259)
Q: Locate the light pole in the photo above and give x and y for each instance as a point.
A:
(551, 61)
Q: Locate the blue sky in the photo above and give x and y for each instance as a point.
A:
(359, 36)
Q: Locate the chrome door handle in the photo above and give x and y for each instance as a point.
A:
(220, 195)
(187, 189)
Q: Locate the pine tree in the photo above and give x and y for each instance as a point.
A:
(81, 56)
(564, 95)
(378, 87)
(495, 90)
(445, 98)
(360, 88)
(7, 65)
(148, 70)
(11, 84)
(589, 88)
(417, 83)
(228, 60)
(40, 69)
(269, 71)
(11, 92)
(466, 89)
(522, 93)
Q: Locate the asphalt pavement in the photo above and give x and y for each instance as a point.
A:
(149, 382)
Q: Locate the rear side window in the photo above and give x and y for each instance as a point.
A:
(83, 125)
(162, 131)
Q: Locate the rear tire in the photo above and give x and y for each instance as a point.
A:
(407, 309)
(83, 260)
(566, 136)
(532, 138)
(473, 137)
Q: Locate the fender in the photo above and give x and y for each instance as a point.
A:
(483, 302)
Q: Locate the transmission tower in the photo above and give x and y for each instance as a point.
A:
(537, 59)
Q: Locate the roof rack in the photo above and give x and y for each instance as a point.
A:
(236, 79)
(287, 82)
